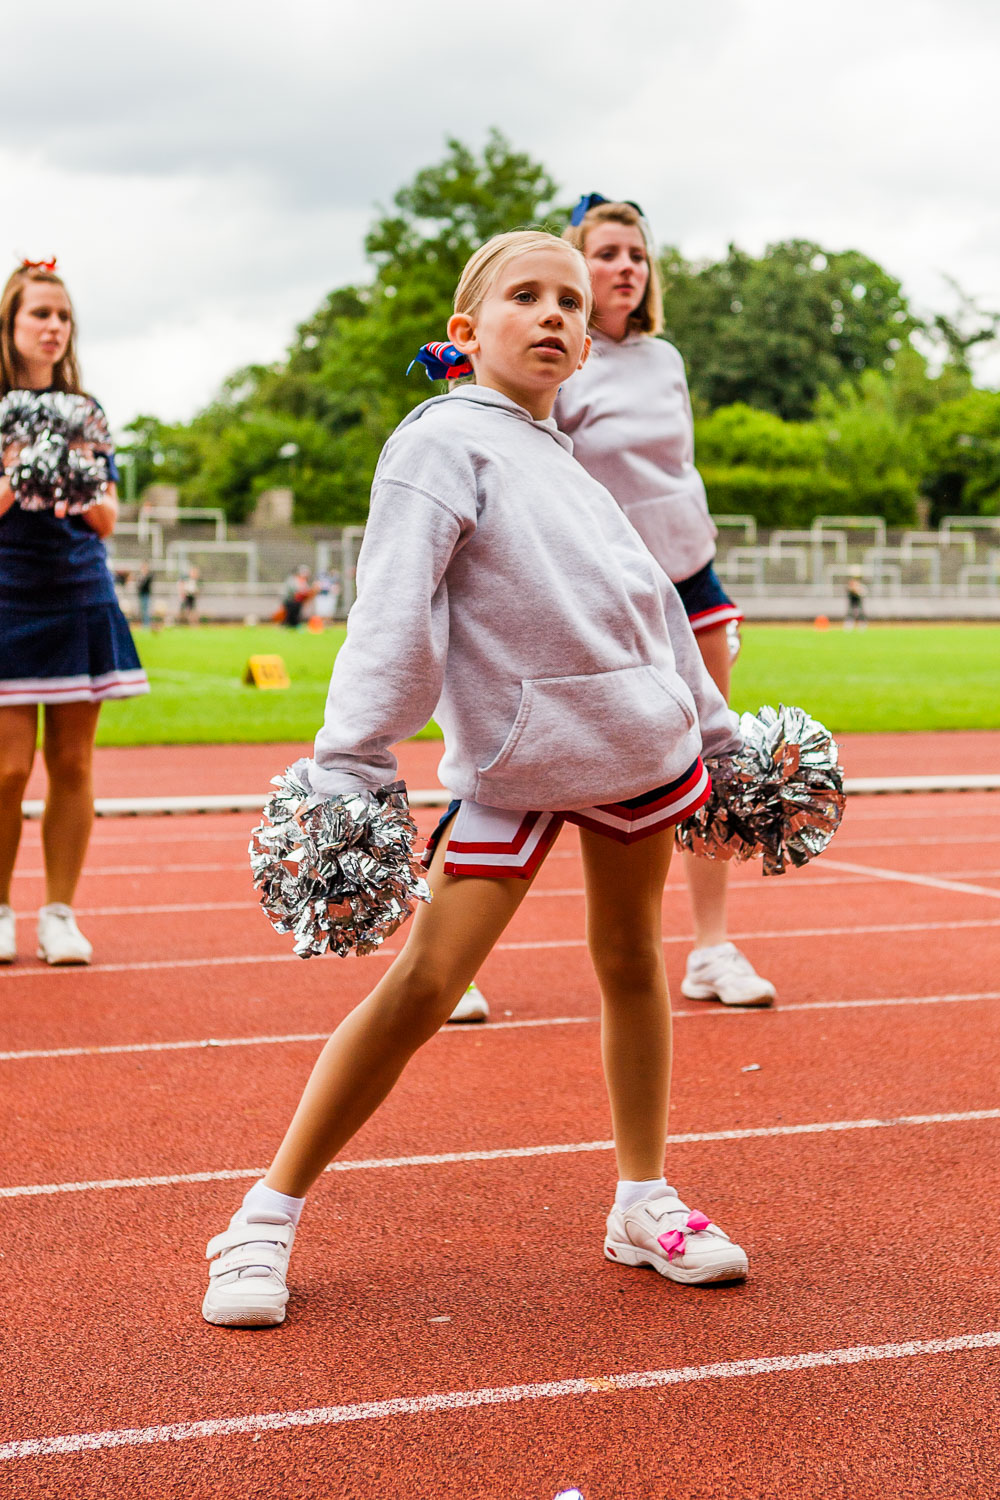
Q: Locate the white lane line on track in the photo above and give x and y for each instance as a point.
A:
(791, 932)
(500, 1153)
(937, 840)
(283, 1040)
(707, 1012)
(95, 871)
(882, 810)
(240, 866)
(236, 834)
(936, 881)
(12, 972)
(450, 1401)
(865, 875)
(172, 909)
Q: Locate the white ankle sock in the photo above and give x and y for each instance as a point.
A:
(627, 1193)
(714, 950)
(262, 1199)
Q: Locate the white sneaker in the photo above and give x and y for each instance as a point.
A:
(471, 1007)
(246, 1286)
(60, 941)
(682, 1244)
(8, 935)
(724, 973)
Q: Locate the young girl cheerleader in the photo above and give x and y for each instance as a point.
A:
(64, 642)
(629, 416)
(500, 585)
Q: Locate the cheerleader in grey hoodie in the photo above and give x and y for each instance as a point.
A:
(629, 415)
(501, 587)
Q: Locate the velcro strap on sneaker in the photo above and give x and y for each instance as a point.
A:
(243, 1233)
(675, 1241)
(266, 1257)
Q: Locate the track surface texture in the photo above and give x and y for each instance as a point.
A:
(455, 1332)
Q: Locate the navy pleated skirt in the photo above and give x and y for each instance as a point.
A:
(83, 655)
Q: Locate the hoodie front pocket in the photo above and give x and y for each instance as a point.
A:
(579, 741)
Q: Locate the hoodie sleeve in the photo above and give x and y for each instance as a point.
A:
(388, 674)
(720, 734)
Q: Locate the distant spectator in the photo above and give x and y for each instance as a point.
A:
(298, 592)
(144, 594)
(327, 594)
(855, 605)
(188, 588)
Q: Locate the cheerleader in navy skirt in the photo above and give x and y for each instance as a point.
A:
(629, 415)
(64, 642)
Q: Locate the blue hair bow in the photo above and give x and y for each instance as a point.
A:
(586, 203)
(593, 200)
(442, 362)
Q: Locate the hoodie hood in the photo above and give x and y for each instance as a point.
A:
(495, 401)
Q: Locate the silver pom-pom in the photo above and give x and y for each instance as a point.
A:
(51, 432)
(339, 872)
(780, 798)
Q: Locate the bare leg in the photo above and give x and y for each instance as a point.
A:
(18, 734)
(708, 879)
(624, 886)
(361, 1062)
(68, 747)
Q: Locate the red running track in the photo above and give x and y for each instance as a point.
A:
(455, 1331)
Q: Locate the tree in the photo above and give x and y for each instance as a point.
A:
(740, 434)
(163, 454)
(961, 445)
(809, 396)
(971, 325)
(346, 370)
(775, 331)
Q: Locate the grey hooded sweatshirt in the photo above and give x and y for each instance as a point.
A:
(629, 414)
(502, 590)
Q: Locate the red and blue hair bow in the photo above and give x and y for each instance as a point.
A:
(442, 362)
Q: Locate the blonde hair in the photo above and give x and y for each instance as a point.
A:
(65, 374)
(648, 316)
(489, 262)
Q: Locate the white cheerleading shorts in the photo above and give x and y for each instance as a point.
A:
(510, 844)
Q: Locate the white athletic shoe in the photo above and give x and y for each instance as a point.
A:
(471, 1007)
(8, 935)
(682, 1244)
(724, 973)
(60, 941)
(246, 1283)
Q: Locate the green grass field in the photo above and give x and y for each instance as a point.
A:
(887, 677)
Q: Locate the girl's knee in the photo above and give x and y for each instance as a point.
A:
(14, 775)
(421, 995)
(69, 765)
(624, 965)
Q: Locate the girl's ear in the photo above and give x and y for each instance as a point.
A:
(462, 333)
(586, 352)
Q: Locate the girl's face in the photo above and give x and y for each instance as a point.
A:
(529, 334)
(619, 271)
(43, 324)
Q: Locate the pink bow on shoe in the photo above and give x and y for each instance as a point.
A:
(673, 1242)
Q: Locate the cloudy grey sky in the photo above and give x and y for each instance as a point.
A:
(206, 170)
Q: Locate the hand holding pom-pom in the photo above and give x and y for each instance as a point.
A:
(780, 798)
(49, 435)
(339, 872)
